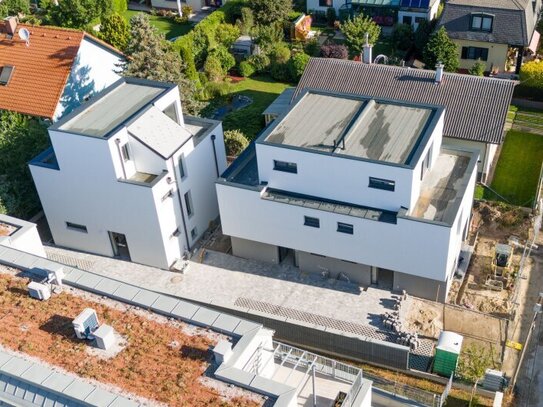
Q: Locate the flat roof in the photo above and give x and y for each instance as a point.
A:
(444, 186)
(115, 105)
(379, 130)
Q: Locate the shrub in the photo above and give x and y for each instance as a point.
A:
(246, 69)
(260, 62)
(119, 6)
(115, 30)
(331, 16)
(190, 68)
(531, 74)
(403, 37)
(297, 66)
(247, 21)
(186, 11)
(280, 72)
(226, 34)
(266, 36)
(293, 15)
(336, 51)
(232, 10)
(213, 68)
(214, 90)
(478, 68)
(235, 142)
(280, 53)
(312, 47)
(226, 59)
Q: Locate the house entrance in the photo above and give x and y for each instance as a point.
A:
(119, 245)
(287, 256)
(382, 278)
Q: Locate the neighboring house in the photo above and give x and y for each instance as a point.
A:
(129, 176)
(54, 71)
(476, 107)
(356, 187)
(490, 30)
(384, 12)
(196, 5)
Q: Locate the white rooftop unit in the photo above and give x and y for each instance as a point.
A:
(105, 337)
(493, 380)
(39, 291)
(86, 323)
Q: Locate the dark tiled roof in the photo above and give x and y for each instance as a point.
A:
(514, 20)
(475, 107)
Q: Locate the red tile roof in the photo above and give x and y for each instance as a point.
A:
(41, 68)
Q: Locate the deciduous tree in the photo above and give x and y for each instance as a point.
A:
(75, 13)
(355, 31)
(270, 11)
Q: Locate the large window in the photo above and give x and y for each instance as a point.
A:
(75, 226)
(285, 166)
(481, 22)
(475, 53)
(345, 228)
(188, 204)
(379, 183)
(312, 222)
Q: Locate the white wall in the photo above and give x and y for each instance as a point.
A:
(314, 5)
(418, 248)
(93, 70)
(25, 238)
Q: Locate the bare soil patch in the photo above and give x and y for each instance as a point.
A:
(160, 361)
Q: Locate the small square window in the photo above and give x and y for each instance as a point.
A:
(125, 152)
(312, 222)
(379, 183)
(75, 226)
(194, 233)
(345, 228)
(285, 166)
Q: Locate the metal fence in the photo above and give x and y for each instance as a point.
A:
(353, 392)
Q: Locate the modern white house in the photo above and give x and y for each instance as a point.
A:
(49, 71)
(129, 175)
(353, 187)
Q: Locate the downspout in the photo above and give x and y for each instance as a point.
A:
(118, 142)
(181, 205)
(215, 154)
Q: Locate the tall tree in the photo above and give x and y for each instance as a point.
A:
(75, 13)
(355, 31)
(270, 11)
(14, 7)
(440, 48)
(21, 139)
(115, 31)
(150, 56)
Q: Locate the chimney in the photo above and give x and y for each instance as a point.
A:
(366, 56)
(11, 26)
(439, 72)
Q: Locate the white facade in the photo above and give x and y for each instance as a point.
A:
(419, 239)
(24, 236)
(93, 190)
(95, 67)
(414, 16)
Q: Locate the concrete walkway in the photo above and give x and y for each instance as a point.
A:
(228, 280)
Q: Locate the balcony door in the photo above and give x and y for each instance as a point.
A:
(119, 245)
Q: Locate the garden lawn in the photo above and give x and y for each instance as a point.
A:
(167, 26)
(263, 90)
(518, 168)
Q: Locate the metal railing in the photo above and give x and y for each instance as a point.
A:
(353, 392)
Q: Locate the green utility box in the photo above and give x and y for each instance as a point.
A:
(448, 349)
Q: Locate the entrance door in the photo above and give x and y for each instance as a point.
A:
(119, 245)
(385, 278)
(286, 256)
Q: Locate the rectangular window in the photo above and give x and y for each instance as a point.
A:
(188, 203)
(285, 166)
(407, 20)
(182, 171)
(379, 183)
(475, 53)
(482, 22)
(345, 228)
(326, 3)
(125, 152)
(194, 233)
(75, 226)
(171, 112)
(312, 222)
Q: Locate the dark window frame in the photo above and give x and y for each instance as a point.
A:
(125, 152)
(188, 203)
(182, 170)
(475, 53)
(285, 166)
(77, 227)
(346, 228)
(383, 184)
(312, 222)
(483, 17)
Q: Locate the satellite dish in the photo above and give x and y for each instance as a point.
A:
(24, 34)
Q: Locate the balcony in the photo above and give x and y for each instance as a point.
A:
(144, 179)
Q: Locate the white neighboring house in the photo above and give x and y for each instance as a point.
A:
(21, 235)
(353, 185)
(129, 176)
(196, 5)
(412, 12)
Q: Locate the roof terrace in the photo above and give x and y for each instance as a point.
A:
(378, 130)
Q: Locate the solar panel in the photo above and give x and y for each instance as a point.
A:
(5, 75)
(415, 3)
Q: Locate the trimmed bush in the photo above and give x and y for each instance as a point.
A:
(226, 34)
(226, 59)
(213, 68)
(478, 68)
(531, 74)
(246, 69)
(280, 53)
(336, 51)
(260, 62)
(235, 142)
(297, 66)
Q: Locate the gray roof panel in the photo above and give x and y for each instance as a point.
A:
(475, 108)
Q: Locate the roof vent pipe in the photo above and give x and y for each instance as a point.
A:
(439, 72)
(11, 25)
(367, 49)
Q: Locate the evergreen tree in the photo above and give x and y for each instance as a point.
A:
(270, 11)
(440, 48)
(115, 31)
(152, 57)
(355, 31)
(75, 13)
